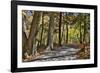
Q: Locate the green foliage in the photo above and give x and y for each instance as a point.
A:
(57, 28)
(72, 20)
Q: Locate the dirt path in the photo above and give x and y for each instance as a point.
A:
(58, 54)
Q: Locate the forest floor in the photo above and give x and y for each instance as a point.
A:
(68, 52)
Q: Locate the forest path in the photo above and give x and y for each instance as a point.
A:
(58, 54)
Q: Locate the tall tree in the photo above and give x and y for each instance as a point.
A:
(66, 29)
(29, 43)
(50, 32)
(84, 28)
(60, 22)
(42, 28)
(67, 33)
(80, 33)
(80, 27)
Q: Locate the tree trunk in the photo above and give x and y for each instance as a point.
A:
(29, 43)
(42, 28)
(67, 33)
(80, 33)
(50, 32)
(24, 39)
(84, 30)
(60, 22)
(63, 31)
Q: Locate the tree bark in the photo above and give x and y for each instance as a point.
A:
(67, 33)
(84, 29)
(24, 39)
(50, 32)
(80, 30)
(29, 43)
(42, 28)
(60, 22)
